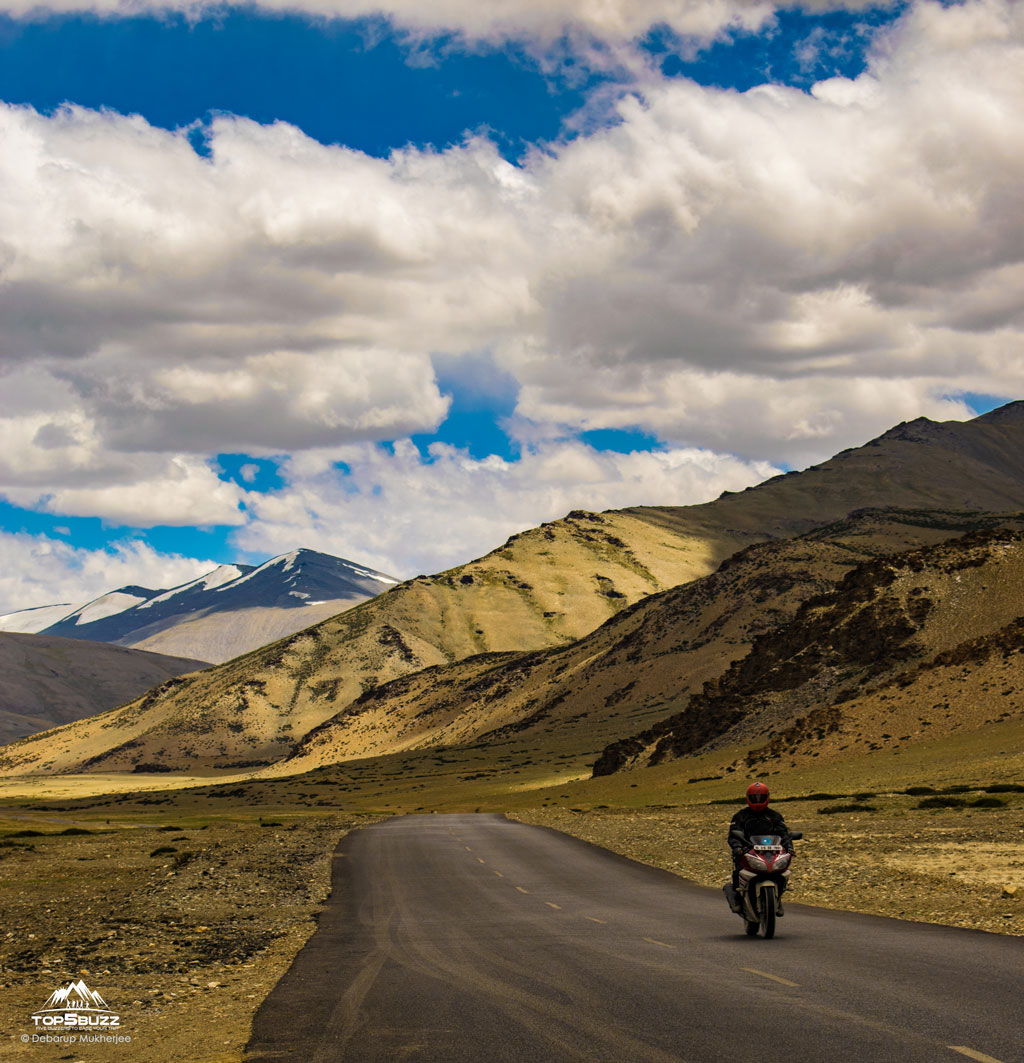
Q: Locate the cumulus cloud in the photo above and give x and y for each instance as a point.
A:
(403, 514)
(185, 493)
(774, 274)
(37, 570)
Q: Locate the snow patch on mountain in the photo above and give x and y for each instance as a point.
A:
(32, 621)
(371, 574)
(108, 605)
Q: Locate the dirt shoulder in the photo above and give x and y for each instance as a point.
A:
(182, 943)
(953, 867)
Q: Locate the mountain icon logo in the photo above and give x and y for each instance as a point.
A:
(75, 995)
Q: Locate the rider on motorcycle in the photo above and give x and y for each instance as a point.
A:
(756, 818)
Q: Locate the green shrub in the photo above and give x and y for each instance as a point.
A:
(830, 810)
(162, 850)
(918, 791)
(1005, 788)
(988, 802)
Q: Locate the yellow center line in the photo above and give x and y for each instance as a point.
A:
(468, 850)
(971, 1054)
(550, 905)
(603, 922)
(653, 941)
(521, 890)
(499, 874)
(773, 977)
(479, 861)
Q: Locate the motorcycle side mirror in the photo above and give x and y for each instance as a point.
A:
(796, 835)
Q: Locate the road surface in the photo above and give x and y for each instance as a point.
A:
(473, 939)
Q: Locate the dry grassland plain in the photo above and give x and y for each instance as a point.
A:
(183, 923)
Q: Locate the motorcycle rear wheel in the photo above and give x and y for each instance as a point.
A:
(768, 911)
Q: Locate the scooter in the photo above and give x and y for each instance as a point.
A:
(764, 875)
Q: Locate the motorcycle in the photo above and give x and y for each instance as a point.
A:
(763, 876)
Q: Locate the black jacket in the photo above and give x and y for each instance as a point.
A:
(750, 822)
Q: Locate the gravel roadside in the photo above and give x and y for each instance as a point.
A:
(183, 931)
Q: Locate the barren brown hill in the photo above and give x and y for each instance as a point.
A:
(47, 681)
(636, 668)
(904, 649)
(544, 589)
(921, 464)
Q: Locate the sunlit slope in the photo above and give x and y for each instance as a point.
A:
(543, 588)
(636, 668)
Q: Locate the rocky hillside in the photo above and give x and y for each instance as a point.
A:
(636, 668)
(905, 648)
(47, 681)
(545, 589)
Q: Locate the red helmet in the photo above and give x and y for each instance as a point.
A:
(757, 796)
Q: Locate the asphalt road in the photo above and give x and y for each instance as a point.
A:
(469, 938)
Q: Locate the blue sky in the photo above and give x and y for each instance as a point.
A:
(579, 352)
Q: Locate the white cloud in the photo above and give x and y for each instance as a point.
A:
(37, 571)
(185, 493)
(772, 273)
(401, 515)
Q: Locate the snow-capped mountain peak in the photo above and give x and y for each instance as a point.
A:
(258, 603)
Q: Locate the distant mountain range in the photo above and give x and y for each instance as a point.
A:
(611, 628)
(229, 611)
